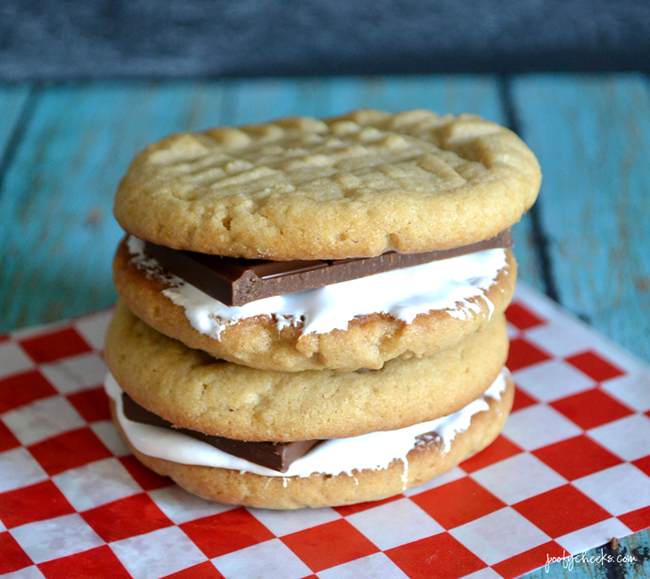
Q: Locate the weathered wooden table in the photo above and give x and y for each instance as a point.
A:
(586, 244)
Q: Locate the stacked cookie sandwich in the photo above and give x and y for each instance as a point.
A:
(311, 312)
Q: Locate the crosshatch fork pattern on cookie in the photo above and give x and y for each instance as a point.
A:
(570, 471)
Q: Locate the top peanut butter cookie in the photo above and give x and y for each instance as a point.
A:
(351, 186)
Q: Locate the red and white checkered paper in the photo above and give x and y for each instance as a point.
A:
(570, 471)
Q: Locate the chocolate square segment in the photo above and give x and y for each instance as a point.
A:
(236, 282)
(277, 456)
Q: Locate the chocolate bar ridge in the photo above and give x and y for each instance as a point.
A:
(236, 282)
(277, 456)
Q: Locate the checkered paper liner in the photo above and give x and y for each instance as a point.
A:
(570, 471)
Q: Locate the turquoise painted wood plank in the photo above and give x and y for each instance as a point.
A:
(452, 94)
(12, 100)
(260, 100)
(257, 100)
(592, 135)
(58, 233)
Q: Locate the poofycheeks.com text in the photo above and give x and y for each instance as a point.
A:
(568, 561)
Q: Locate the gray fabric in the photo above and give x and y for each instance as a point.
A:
(68, 39)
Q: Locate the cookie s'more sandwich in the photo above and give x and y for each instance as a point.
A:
(311, 311)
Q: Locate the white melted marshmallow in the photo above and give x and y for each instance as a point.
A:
(446, 285)
(374, 451)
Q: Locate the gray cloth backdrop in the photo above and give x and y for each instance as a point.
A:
(68, 39)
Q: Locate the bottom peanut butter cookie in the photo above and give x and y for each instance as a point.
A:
(335, 472)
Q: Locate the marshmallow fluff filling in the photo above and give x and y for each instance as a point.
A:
(446, 284)
(374, 451)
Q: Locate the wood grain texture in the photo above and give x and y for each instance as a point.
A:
(13, 99)
(58, 233)
(262, 99)
(592, 136)
(259, 100)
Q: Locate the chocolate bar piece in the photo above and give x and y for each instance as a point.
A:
(236, 282)
(277, 456)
